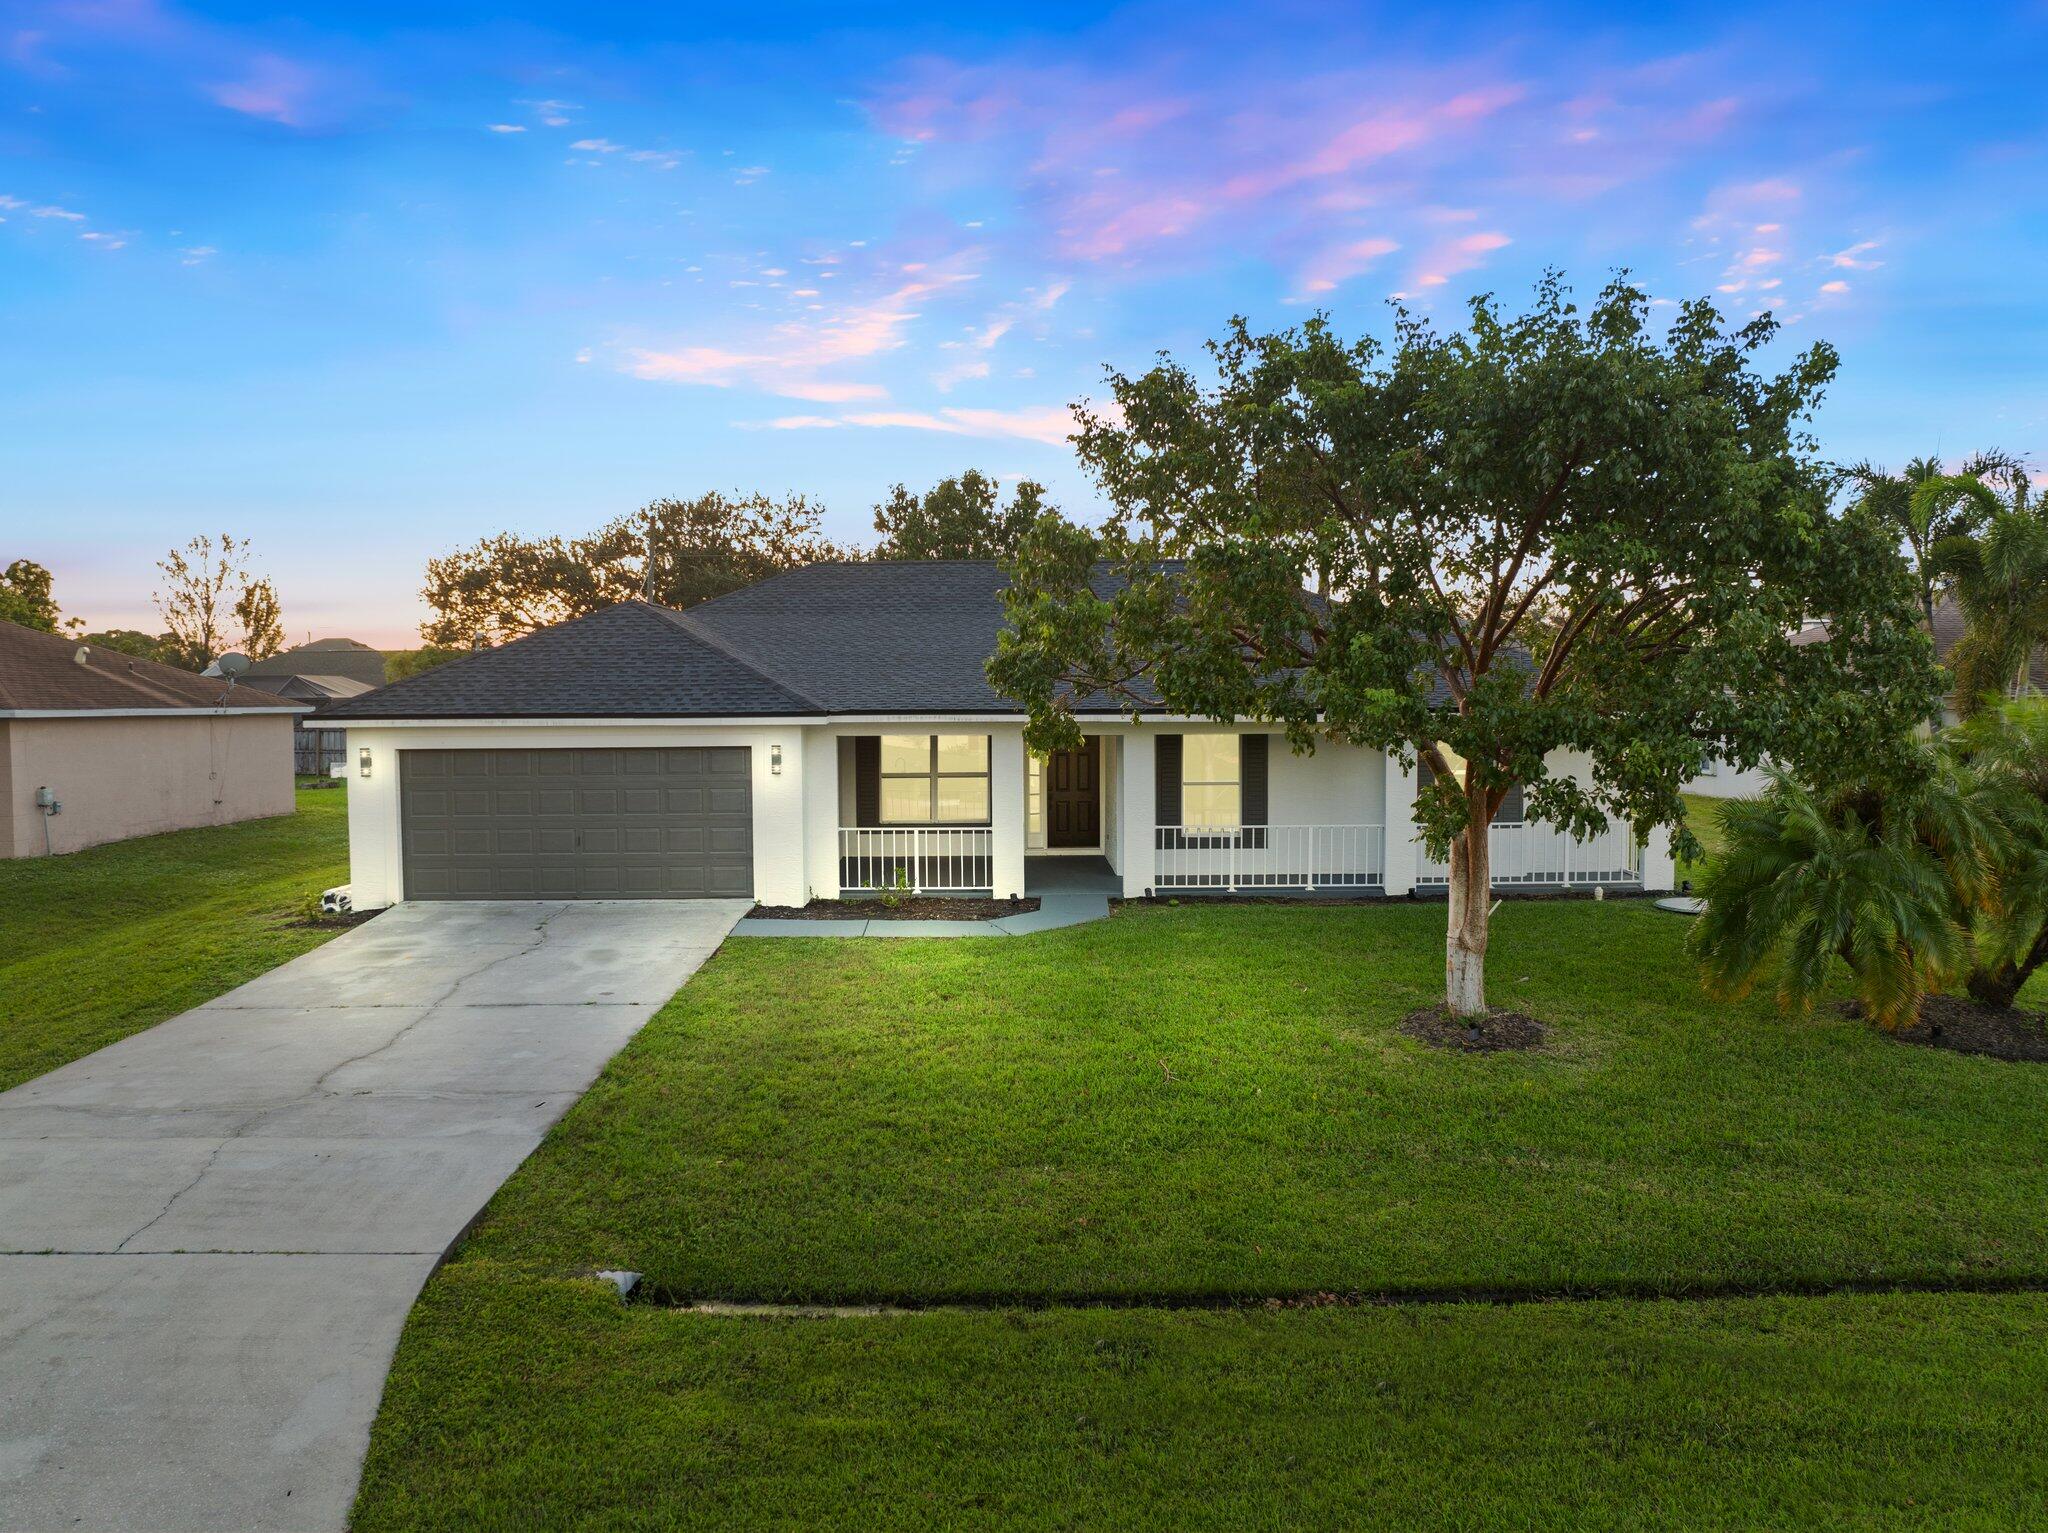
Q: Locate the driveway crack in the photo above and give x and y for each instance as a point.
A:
(540, 937)
(319, 1086)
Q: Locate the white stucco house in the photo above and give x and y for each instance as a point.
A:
(830, 731)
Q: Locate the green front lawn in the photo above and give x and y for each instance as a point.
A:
(533, 1403)
(1703, 815)
(1203, 1102)
(1186, 1105)
(98, 944)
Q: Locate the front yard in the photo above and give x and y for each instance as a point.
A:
(1192, 1111)
(102, 943)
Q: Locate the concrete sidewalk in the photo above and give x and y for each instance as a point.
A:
(211, 1232)
(1070, 890)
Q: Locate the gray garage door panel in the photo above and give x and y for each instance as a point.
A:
(577, 824)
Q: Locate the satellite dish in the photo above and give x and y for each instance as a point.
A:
(82, 655)
(232, 665)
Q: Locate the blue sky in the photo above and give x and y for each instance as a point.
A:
(366, 282)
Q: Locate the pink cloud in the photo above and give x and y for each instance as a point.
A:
(1450, 257)
(796, 358)
(274, 89)
(1837, 286)
(1051, 424)
(831, 393)
(1327, 270)
(1116, 167)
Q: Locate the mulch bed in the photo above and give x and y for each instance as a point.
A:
(1501, 1032)
(930, 907)
(335, 922)
(1957, 1023)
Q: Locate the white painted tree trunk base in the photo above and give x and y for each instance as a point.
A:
(1464, 979)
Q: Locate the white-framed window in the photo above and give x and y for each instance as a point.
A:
(1211, 780)
(934, 780)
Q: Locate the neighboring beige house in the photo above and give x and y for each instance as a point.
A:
(99, 746)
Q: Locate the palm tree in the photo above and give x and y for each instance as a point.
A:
(2000, 578)
(1921, 521)
(2007, 752)
(1804, 879)
(1911, 886)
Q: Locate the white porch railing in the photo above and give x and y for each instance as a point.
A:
(1532, 852)
(1305, 857)
(916, 858)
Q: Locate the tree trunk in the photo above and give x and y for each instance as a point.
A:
(2001, 986)
(1994, 987)
(1471, 908)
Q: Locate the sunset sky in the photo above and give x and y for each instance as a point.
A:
(365, 282)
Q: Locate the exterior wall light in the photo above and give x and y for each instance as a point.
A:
(363, 762)
(774, 761)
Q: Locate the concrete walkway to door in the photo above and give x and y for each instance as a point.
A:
(210, 1232)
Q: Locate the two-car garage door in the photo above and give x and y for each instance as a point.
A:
(577, 824)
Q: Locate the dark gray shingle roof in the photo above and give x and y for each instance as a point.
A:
(879, 637)
(874, 637)
(629, 661)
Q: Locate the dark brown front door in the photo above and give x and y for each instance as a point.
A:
(1073, 795)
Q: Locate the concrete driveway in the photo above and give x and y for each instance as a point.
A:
(210, 1233)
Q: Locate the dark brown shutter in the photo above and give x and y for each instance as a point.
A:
(1424, 775)
(1251, 766)
(1511, 809)
(867, 779)
(1166, 780)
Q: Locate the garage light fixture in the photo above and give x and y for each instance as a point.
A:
(774, 761)
(363, 762)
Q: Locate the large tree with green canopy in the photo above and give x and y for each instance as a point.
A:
(1543, 532)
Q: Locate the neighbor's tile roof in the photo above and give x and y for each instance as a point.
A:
(43, 672)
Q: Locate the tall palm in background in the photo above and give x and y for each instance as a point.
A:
(1998, 571)
(1922, 518)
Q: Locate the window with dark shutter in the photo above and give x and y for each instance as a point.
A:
(867, 780)
(1253, 754)
(1166, 780)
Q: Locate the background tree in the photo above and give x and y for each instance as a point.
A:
(1999, 572)
(26, 598)
(259, 620)
(131, 641)
(1583, 537)
(401, 663)
(676, 552)
(210, 596)
(958, 518)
